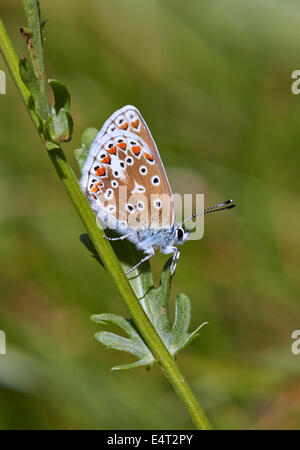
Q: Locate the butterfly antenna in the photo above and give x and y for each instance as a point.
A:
(220, 207)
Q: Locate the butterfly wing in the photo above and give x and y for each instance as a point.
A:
(124, 177)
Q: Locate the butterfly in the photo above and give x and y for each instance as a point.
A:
(126, 184)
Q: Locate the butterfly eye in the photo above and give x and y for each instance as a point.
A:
(179, 233)
(155, 180)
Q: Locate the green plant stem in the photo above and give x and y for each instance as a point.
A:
(36, 55)
(108, 256)
(12, 62)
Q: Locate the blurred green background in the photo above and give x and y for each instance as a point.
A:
(213, 81)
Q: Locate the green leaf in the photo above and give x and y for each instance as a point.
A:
(62, 98)
(81, 155)
(61, 127)
(51, 146)
(155, 302)
(156, 305)
(182, 314)
(134, 344)
(88, 137)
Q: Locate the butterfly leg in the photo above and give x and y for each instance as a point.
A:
(175, 259)
(117, 238)
(151, 253)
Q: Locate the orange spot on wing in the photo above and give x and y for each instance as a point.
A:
(135, 123)
(100, 171)
(122, 145)
(124, 126)
(148, 156)
(95, 189)
(136, 149)
(112, 150)
(106, 160)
